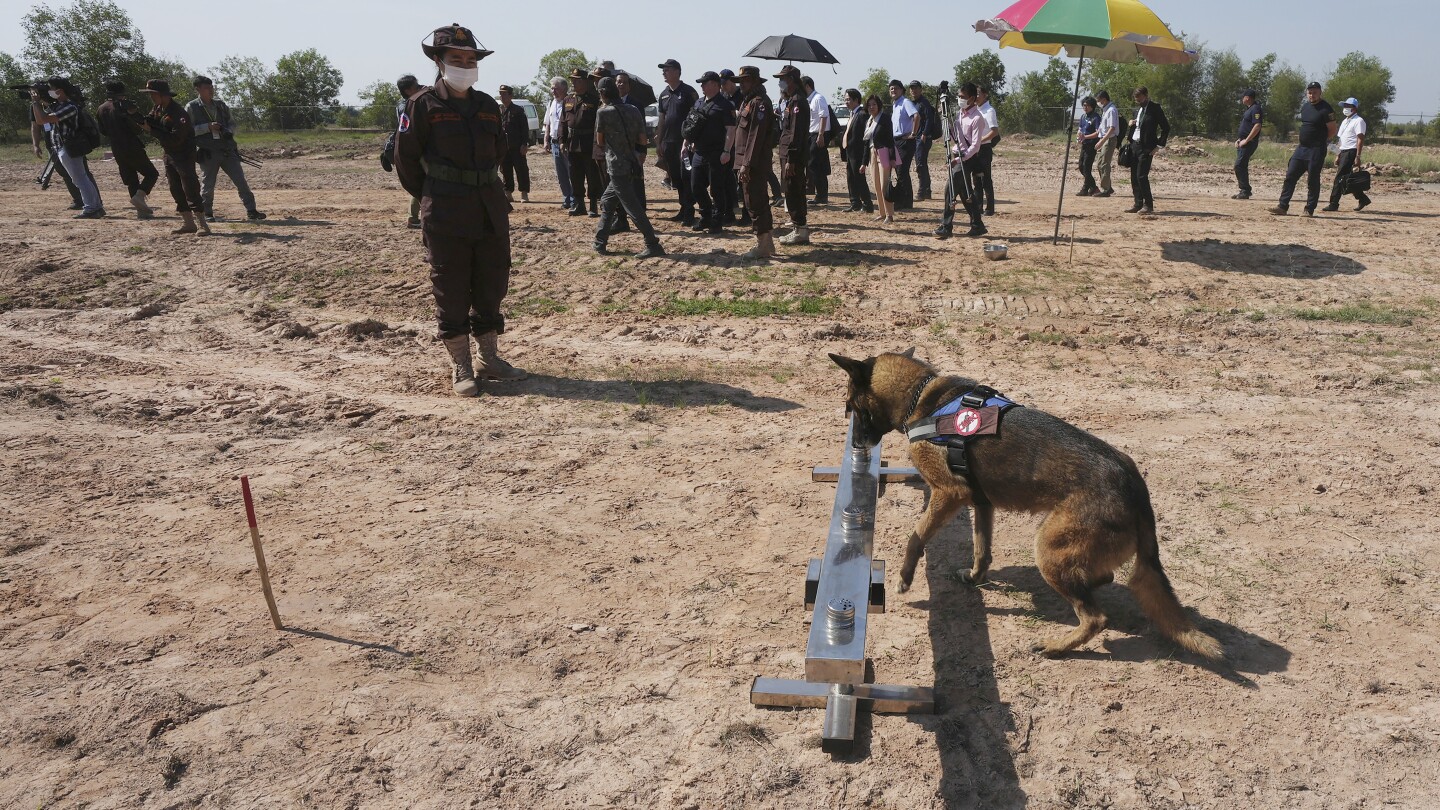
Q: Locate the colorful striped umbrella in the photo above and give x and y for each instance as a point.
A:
(1115, 30)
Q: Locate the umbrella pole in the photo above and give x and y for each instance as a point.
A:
(1069, 140)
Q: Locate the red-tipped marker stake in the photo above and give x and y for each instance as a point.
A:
(259, 553)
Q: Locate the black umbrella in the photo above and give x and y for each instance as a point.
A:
(642, 94)
(792, 49)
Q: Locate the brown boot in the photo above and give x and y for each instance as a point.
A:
(764, 247)
(202, 224)
(491, 366)
(189, 226)
(462, 374)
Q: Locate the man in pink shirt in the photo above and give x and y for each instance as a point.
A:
(967, 167)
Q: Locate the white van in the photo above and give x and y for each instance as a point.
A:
(531, 116)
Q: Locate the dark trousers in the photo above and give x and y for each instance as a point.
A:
(623, 192)
(987, 189)
(210, 168)
(858, 185)
(727, 196)
(774, 181)
(585, 181)
(1140, 179)
(757, 202)
(1087, 167)
(136, 171)
(469, 277)
(819, 166)
(795, 190)
(1344, 165)
(1242, 165)
(902, 194)
(1306, 159)
(515, 164)
(670, 160)
(65, 175)
(966, 180)
(707, 185)
(184, 185)
(922, 167)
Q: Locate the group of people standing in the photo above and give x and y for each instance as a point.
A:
(1100, 127)
(200, 136)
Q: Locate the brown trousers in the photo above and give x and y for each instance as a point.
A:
(757, 200)
(184, 184)
(470, 278)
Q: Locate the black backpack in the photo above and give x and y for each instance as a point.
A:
(832, 129)
(932, 122)
(85, 138)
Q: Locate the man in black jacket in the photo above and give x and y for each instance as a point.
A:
(1148, 133)
(120, 121)
(852, 148)
(514, 165)
(674, 105)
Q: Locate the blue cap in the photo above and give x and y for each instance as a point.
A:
(1351, 102)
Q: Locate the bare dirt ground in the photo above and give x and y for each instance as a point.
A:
(556, 595)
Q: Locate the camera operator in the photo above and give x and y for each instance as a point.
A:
(215, 148)
(40, 135)
(120, 121)
(68, 140)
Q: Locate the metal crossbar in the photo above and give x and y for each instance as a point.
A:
(845, 587)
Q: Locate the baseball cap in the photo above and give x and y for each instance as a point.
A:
(669, 63)
(916, 85)
(708, 76)
(1251, 92)
(505, 88)
(1351, 102)
(1313, 86)
(727, 73)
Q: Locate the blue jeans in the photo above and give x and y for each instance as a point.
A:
(80, 176)
(562, 170)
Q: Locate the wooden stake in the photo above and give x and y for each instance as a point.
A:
(259, 553)
(1072, 240)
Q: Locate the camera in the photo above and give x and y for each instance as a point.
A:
(22, 91)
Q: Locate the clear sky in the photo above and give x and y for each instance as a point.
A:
(369, 39)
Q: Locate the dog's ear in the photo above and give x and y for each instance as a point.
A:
(910, 353)
(859, 370)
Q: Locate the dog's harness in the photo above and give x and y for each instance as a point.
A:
(960, 416)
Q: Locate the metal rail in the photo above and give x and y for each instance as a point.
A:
(845, 587)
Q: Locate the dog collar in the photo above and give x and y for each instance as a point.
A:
(919, 392)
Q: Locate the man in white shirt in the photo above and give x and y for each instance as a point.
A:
(554, 118)
(819, 155)
(988, 147)
(1352, 142)
(1109, 131)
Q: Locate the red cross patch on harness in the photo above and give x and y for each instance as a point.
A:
(970, 422)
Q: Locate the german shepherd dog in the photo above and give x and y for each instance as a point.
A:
(1096, 505)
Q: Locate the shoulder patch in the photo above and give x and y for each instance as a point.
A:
(404, 122)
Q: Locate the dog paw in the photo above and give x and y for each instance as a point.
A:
(904, 586)
(972, 578)
(1049, 649)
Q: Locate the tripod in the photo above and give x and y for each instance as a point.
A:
(950, 170)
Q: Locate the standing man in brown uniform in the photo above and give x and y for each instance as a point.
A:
(447, 153)
(794, 150)
(517, 139)
(754, 131)
(169, 124)
(579, 134)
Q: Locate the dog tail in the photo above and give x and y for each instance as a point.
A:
(1152, 589)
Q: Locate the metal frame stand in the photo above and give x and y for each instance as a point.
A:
(844, 587)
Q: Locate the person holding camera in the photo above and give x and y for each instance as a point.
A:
(70, 139)
(216, 148)
(119, 120)
(40, 137)
(168, 124)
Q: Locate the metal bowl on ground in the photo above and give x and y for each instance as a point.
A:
(996, 252)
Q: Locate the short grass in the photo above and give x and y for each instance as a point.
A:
(1413, 160)
(747, 307)
(1360, 312)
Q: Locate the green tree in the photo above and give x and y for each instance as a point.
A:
(1367, 80)
(1218, 107)
(302, 90)
(1260, 75)
(877, 83)
(91, 41)
(378, 110)
(243, 82)
(14, 121)
(1040, 101)
(985, 69)
(1119, 79)
(1287, 90)
(559, 63)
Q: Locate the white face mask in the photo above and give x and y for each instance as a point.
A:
(1349, 111)
(461, 78)
(782, 85)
